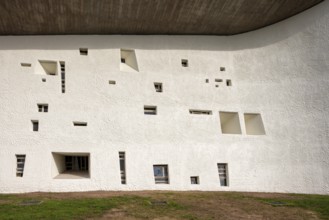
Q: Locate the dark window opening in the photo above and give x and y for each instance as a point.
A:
(150, 110)
(35, 125)
(84, 51)
(184, 63)
(194, 180)
(161, 174)
(158, 87)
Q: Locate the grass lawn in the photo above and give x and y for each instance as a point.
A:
(164, 205)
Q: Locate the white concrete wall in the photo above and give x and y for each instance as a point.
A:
(281, 72)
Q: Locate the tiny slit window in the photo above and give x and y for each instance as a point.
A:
(158, 87)
(222, 172)
(20, 160)
(122, 160)
(79, 124)
(228, 82)
(161, 175)
(43, 107)
(35, 125)
(150, 110)
(84, 51)
(184, 63)
(195, 180)
(200, 112)
(218, 80)
(26, 64)
(112, 82)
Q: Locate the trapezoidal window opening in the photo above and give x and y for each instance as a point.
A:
(26, 64)
(71, 165)
(184, 63)
(46, 67)
(200, 112)
(79, 124)
(158, 87)
(35, 125)
(223, 174)
(42, 107)
(230, 123)
(62, 65)
(20, 164)
(83, 51)
(254, 124)
(161, 175)
(128, 60)
(122, 161)
(150, 110)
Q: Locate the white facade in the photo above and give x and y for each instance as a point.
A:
(280, 72)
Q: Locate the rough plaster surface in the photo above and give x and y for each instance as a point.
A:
(280, 72)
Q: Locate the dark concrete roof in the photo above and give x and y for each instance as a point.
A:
(206, 17)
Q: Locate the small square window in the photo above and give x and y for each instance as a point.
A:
(161, 174)
(194, 180)
(158, 87)
(184, 63)
(44, 80)
(222, 68)
(123, 60)
(150, 110)
(43, 107)
(228, 82)
(84, 51)
(35, 125)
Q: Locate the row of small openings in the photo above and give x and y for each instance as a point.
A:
(157, 85)
(228, 82)
(35, 124)
(62, 64)
(161, 174)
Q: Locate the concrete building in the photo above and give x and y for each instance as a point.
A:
(244, 112)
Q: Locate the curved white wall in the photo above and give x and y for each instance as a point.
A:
(281, 72)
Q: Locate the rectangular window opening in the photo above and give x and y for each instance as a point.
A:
(222, 69)
(26, 64)
(122, 160)
(218, 80)
(44, 80)
(161, 175)
(158, 87)
(207, 80)
(200, 112)
(84, 51)
(112, 82)
(123, 60)
(43, 107)
(71, 165)
(195, 180)
(20, 160)
(150, 110)
(79, 123)
(222, 172)
(228, 82)
(35, 125)
(184, 63)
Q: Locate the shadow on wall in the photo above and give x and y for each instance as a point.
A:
(258, 38)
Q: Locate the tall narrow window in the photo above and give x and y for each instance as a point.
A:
(35, 125)
(43, 107)
(161, 174)
(122, 159)
(20, 165)
(228, 82)
(222, 172)
(158, 87)
(62, 76)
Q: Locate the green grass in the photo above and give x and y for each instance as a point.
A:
(316, 203)
(178, 205)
